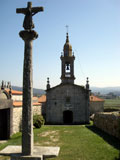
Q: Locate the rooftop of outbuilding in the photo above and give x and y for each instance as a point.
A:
(96, 99)
(14, 92)
(42, 99)
(19, 104)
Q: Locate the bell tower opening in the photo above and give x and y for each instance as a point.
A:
(67, 63)
(67, 69)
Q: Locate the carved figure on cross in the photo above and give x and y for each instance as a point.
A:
(29, 12)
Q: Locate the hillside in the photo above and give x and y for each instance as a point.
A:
(106, 90)
(36, 92)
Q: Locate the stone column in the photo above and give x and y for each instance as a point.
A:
(27, 115)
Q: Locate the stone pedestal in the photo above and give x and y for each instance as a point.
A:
(27, 115)
(39, 153)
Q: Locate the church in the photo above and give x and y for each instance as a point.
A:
(67, 103)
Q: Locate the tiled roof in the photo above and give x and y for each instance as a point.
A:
(42, 99)
(36, 104)
(19, 104)
(95, 99)
(14, 92)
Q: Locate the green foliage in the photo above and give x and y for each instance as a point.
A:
(38, 121)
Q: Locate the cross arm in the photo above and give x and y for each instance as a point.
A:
(34, 10)
(21, 10)
(37, 9)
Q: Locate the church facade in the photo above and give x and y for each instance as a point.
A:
(67, 103)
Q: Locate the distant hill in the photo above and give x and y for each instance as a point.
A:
(36, 92)
(106, 90)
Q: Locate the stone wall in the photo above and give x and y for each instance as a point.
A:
(96, 106)
(17, 116)
(108, 122)
(17, 97)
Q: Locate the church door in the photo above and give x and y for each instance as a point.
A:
(67, 117)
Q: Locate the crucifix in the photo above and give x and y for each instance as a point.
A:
(28, 151)
(29, 12)
(28, 35)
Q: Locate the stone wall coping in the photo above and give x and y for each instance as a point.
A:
(109, 113)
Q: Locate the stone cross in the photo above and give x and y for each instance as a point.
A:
(28, 151)
(29, 12)
(28, 35)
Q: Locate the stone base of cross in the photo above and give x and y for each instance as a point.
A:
(39, 153)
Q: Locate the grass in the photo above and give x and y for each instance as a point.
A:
(78, 142)
(112, 103)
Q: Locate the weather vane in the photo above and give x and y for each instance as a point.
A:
(67, 27)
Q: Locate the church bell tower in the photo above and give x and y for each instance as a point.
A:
(67, 63)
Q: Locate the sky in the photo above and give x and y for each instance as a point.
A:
(94, 33)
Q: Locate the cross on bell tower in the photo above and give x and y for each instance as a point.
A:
(67, 60)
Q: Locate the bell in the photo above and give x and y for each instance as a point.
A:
(68, 67)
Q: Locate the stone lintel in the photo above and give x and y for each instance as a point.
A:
(6, 103)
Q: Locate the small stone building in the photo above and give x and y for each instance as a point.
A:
(11, 110)
(96, 104)
(67, 103)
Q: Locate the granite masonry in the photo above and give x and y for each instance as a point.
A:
(17, 116)
(109, 122)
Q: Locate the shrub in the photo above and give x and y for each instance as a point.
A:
(38, 121)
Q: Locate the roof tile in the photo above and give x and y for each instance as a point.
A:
(42, 99)
(95, 99)
(19, 104)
